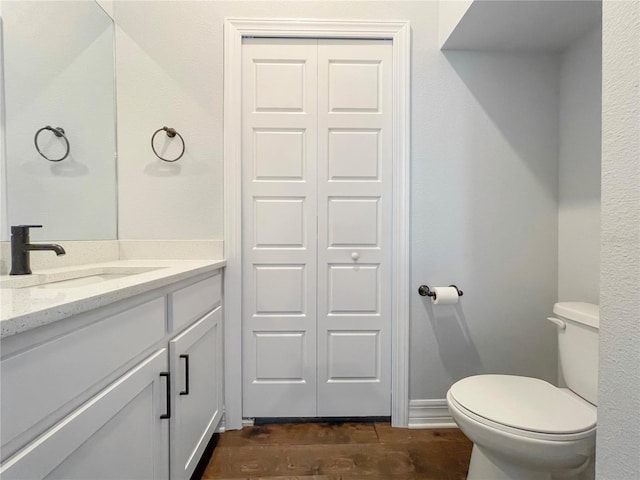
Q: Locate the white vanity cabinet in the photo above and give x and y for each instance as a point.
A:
(123, 392)
(195, 360)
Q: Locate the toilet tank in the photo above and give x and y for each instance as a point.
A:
(578, 347)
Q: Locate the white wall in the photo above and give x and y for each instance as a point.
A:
(451, 12)
(58, 71)
(484, 172)
(107, 6)
(4, 226)
(580, 158)
(516, 25)
(618, 452)
(169, 72)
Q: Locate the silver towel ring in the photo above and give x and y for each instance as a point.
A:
(58, 132)
(171, 132)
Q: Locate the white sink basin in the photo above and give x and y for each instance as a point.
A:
(73, 278)
(82, 281)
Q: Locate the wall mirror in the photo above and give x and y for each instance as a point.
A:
(59, 73)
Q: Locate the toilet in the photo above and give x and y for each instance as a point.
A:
(524, 428)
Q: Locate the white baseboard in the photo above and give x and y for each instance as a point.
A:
(222, 426)
(247, 422)
(422, 414)
(430, 414)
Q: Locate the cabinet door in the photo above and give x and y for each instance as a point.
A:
(116, 434)
(196, 366)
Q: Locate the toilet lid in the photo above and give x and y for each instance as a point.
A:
(524, 403)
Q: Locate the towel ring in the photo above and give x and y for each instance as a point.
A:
(58, 132)
(171, 132)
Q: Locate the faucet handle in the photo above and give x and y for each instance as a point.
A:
(23, 230)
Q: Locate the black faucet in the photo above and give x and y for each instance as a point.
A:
(20, 248)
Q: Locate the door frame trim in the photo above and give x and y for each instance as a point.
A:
(399, 32)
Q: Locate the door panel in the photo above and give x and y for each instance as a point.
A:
(279, 290)
(354, 222)
(279, 222)
(279, 227)
(353, 84)
(343, 165)
(343, 367)
(354, 218)
(287, 365)
(279, 154)
(353, 290)
(279, 83)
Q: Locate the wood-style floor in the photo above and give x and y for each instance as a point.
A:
(349, 451)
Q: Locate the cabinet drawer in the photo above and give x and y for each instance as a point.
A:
(190, 303)
(36, 383)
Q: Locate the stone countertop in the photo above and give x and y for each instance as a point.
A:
(25, 308)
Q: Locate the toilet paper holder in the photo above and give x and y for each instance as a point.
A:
(425, 291)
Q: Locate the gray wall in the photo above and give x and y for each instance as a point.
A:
(484, 202)
(580, 159)
(618, 452)
(484, 172)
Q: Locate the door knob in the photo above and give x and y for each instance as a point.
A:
(355, 255)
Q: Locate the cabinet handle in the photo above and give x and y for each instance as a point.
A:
(186, 374)
(168, 376)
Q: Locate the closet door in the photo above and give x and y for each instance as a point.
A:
(279, 115)
(316, 227)
(354, 224)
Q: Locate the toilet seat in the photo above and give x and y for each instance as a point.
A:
(524, 406)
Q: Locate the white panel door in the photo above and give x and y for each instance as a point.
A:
(354, 224)
(279, 122)
(316, 227)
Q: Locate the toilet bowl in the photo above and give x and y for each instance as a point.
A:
(524, 428)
